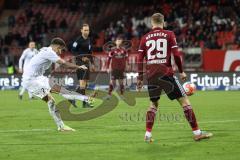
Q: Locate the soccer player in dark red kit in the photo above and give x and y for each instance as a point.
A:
(117, 57)
(157, 47)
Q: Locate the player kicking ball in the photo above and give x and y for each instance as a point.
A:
(36, 83)
(157, 46)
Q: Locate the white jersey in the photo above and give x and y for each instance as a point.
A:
(26, 56)
(40, 63)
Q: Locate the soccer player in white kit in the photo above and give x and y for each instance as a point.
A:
(38, 84)
(25, 58)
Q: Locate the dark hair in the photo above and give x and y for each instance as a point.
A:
(120, 37)
(157, 18)
(84, 25)
(58, 41)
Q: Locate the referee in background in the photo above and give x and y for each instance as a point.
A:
(82, 50)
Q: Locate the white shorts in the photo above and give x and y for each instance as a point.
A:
(38, 86)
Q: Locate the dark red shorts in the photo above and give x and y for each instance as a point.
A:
(169, 84)
(117, 74)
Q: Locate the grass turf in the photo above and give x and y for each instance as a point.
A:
(28, 132)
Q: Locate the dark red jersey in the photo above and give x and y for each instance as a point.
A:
(157, 47)
(119, 57)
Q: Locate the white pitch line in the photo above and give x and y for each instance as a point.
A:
(124, 125)
(25, 130)
(225, 121)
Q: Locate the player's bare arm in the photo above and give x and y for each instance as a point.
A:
(71, 65)
(178, 61)
(183, 76)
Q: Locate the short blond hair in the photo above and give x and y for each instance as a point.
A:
(157, 18)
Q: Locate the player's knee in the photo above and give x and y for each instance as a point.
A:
(51, 102)
(83, 83)
(154, 100)
(45, 98)
(112, 82)
(55, 89)
(184, 101)
(48, 98)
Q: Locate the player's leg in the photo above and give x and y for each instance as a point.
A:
(81, 88)
(112, 85)
(120, 81)
(40, 87)
(154, 92)
(189, 113)
(70, 95)
(83, 77)
(30, 95)
(178, 93)
(191, 118)
(22, 90)
(120, 77)
(150, 118)
(55, 113)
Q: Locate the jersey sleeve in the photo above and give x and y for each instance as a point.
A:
(126, 53)
(110, 54)
(173, 41)
(52, 56)
(75, 46)
(22, 59)
(109, 59)
(176, 53)
(140, 59)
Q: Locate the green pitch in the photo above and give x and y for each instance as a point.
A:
(27, 132)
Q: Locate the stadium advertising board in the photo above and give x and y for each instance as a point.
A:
(220, 60)
(203, 80)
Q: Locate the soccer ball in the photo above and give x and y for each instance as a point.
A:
(190, 88)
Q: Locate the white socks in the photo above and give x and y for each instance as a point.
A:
(148, 134)
(22, 90)
(54, 113)
(197, 132)
(71, 95)
(30, 95)
(75, 97)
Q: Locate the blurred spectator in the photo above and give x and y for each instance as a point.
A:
(1, 41)
(11, 21)
(9, 38)
(63, 25)
(29, 12)
(237, 36)
(212, 44)
(52, 25)
(21, 19)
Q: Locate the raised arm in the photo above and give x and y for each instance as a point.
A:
(70, 65)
